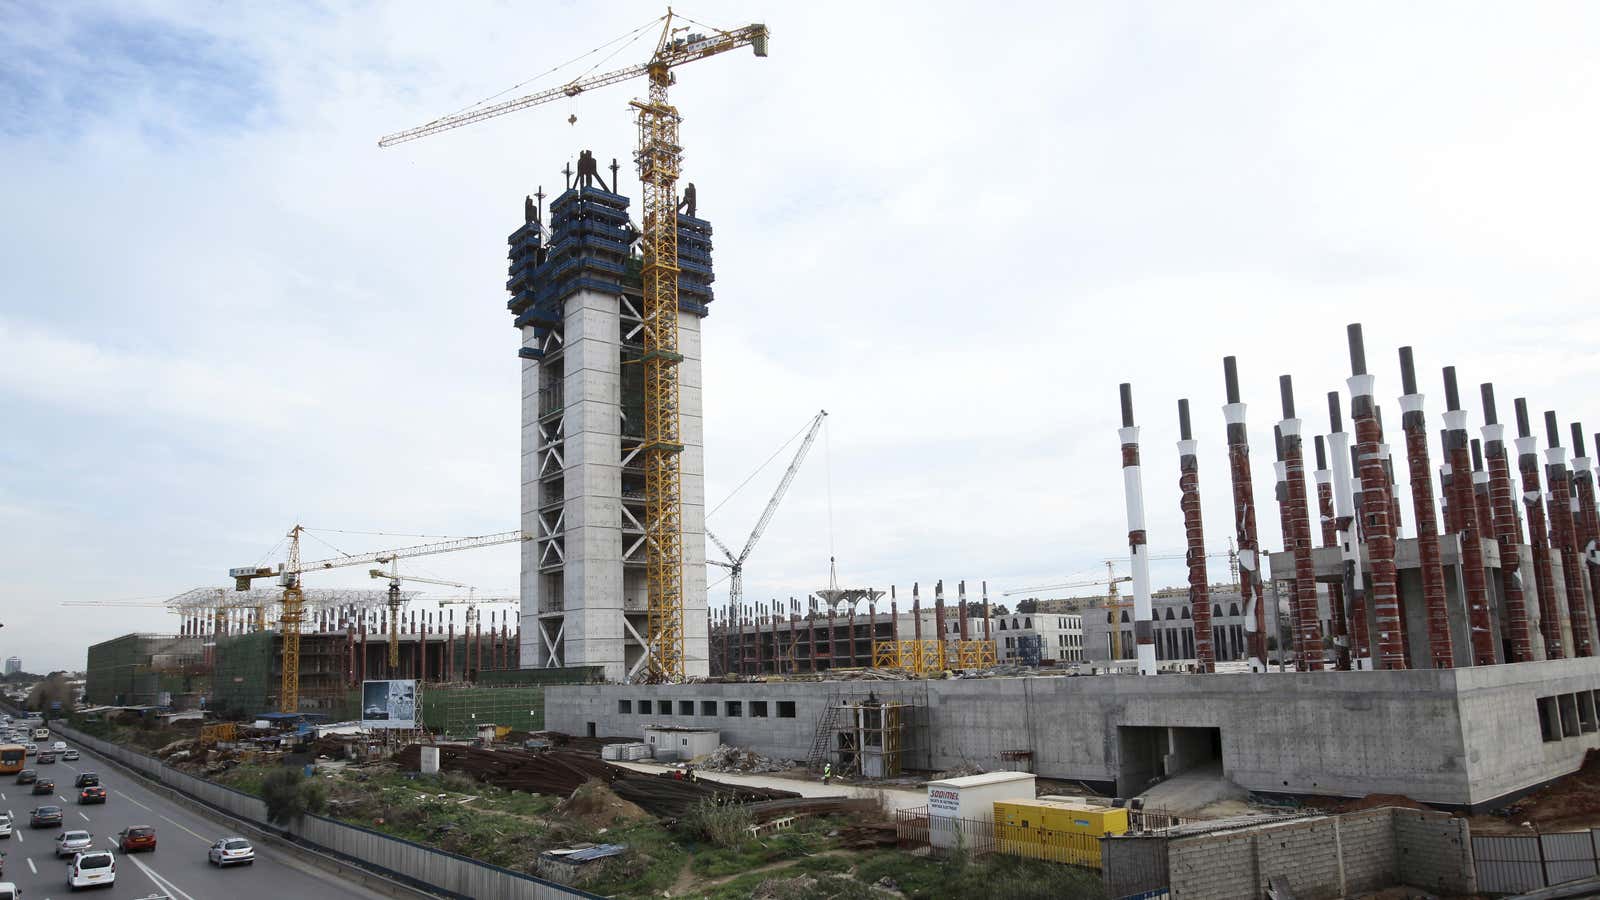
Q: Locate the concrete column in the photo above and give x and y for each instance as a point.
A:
(1507, 529)
(1475, 591)
(1194, 532)
(1138, 550)
(1345, 487)
(1330, 538)
(1244, 521)
(1308, 630)
(1280, 471)
(692, 490)
(1376, 508)
(1584, 519)
(1561, 529)
(1441, 652)
(1538, 535)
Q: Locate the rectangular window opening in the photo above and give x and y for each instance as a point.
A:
(1586, 719)
(644, 707)
(708, 707)
(685, 707)
(733, 708)
(1549, 720)
(1569, 715)
(758, 709)
(625, 706)
(785, 709)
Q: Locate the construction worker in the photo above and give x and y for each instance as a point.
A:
(827, 772)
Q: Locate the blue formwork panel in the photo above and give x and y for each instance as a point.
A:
(589, 248)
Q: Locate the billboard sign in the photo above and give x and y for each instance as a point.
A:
(389, 704)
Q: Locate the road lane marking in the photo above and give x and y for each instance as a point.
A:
(200, 836)
(160, 880)
(31, 867)
(133, 801)
(85, 818)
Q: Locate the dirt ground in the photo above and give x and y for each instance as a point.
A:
(1570, 803)
(596, 806)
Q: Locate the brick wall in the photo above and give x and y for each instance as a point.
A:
(1221, 866)
(1303, 856)
(1326, 857)
(1133, 864)
(1433, 851)
(1367, 841)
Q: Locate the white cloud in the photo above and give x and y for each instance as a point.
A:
(957, 230)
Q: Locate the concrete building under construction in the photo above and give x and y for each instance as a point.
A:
(575, 295)
(1455, 666)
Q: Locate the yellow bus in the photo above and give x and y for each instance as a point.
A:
(12, 758)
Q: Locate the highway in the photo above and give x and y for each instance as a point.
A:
(177, 867)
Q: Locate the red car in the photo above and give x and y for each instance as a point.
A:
(93, 794)
(136, 837)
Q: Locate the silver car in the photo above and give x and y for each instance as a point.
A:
(231, 851)
(71, 843)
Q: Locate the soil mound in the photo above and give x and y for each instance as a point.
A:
(596, 806)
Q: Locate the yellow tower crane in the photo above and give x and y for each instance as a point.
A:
(395, 578)
(659, 157)
(293, 611)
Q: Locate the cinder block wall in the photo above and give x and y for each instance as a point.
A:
(1433, 851)
(1327, 857)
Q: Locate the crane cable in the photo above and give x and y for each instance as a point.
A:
(552, 70)
(827, 464)
(760, 468)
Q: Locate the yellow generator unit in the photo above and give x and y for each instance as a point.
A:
(1060, 831)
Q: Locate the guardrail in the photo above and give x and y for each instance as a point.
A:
(440, 871)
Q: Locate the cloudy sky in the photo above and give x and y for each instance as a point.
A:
(956, 227)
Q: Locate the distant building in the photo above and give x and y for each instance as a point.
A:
(13, 665)
(1055, 637)
(1173, 626)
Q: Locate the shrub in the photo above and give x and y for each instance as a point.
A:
(724, 826)
(289, 795)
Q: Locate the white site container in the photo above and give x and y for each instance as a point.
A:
(687, 743)
(972, 798)
(430, 760)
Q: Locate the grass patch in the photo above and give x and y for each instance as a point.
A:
(724, 826)
(650, 866)
(995, 876)
(714, 862)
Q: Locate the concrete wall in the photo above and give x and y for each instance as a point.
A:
(1450, 737)
(1500, 724)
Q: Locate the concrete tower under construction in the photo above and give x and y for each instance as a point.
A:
(575, 293)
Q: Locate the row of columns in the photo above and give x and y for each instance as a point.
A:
(1359, 511)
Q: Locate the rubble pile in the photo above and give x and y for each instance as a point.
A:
(558, 773)
(736, 759)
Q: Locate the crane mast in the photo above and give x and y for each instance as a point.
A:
(659, 158)
(735, 564)
(289, 626)
(293, 612)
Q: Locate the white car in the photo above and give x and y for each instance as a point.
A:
(71, 843)
(92, 869)
(9, 891)
(59, 746)
(230, 851)
(5, 825)
(70, 755)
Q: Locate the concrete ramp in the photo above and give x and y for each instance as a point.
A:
(1202, 790)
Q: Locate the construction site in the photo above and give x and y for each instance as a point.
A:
(1453, 667)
